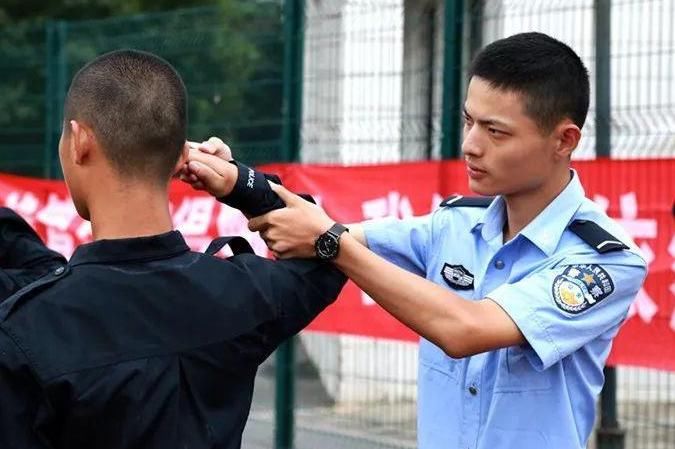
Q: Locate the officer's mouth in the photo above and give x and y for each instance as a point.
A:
(474, 171)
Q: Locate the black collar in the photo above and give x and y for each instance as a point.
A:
(160, 246)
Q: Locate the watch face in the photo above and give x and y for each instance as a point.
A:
(327, 246)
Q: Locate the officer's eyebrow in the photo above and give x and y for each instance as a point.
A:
(485, 122)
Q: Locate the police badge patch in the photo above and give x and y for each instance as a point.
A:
(457, 277)
(580, 287)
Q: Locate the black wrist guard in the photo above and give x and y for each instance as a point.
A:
(252, 194)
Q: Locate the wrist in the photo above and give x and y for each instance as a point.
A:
(229, 180)
(327, 245)
(249, 191)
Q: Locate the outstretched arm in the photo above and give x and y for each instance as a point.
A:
(210, 168)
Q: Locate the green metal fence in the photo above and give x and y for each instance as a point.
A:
(382, 83)
(22, 99)
(230, 59)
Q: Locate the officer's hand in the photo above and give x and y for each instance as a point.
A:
(208, 169)
(214, 146)
(292, 231)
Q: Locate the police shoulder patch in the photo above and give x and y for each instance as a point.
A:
(591, 233)
(580, 287)
(467, 201)
(457, 277)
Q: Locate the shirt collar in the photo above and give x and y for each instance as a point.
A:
(547, 228)
(160, 246)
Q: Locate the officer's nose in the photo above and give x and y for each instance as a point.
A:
(471, 145)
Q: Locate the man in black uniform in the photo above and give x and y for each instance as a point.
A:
(23, 256)
(139, 342)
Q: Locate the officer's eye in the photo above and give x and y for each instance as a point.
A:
(496, 132)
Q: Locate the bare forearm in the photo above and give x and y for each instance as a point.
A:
(356, 231)
(458, 326)
(421, 305)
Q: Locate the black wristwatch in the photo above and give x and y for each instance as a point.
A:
(327, 245)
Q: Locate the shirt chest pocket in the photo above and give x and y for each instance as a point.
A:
(517, 374)
(432, 357)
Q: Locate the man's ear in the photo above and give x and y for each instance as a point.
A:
(82, 141)
(182, 159)
(568, 135)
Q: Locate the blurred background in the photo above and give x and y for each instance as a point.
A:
(348, 83)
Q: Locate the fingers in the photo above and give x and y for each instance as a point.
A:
(258, 224)
(289, 197)
(214, 147)
(206, 177)
(215, 163)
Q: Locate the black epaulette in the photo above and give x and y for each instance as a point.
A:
(467, 201)
(591, 233)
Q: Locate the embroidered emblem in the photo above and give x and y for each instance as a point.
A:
(580, 287)
(457, 277)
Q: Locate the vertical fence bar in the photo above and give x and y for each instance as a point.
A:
(476, 17)
(50, 110)
(430, 17)
(610, 435)
(55, 93)
(294, 37)
(602, 10)
(452, 78)
(294, 24)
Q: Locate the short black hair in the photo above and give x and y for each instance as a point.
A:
(548, 73)
(135, 103)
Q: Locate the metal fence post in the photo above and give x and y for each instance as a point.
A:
(452, 78)
(294, 38)
(602, 11)
(294, 24)
(610, 435)
(55, 93)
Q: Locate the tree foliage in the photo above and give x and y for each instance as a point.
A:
(229, 53)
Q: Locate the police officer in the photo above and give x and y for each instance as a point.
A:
(139, 342)
(23, 256)
(524, 292)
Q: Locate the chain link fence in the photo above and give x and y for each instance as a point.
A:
(373, 94)
(23, 100)
(231, 60)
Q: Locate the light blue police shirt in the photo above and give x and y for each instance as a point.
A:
(566, 298)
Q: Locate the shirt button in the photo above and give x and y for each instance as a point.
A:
(499, 264)
(59, 271)
(473, 390)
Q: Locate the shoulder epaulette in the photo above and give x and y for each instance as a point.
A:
(591, 233)
(467, 201)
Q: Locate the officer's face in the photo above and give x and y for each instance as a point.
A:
(505, 151)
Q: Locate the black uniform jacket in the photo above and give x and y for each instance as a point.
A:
(23, 256)
(141, 343)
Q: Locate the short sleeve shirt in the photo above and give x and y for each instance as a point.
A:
(567, 298)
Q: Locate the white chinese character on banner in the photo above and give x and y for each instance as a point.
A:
(25, 204)
(638, 228)
(83, 231)
(392, 205)
(436, 200)
(193, 216)
(58, 213)
(366, 300)
(60, 241)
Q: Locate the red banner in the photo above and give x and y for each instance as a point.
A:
(639, 194)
